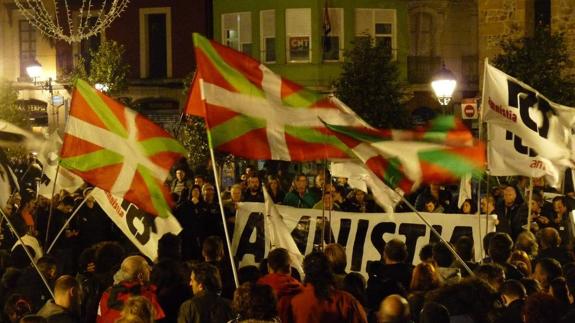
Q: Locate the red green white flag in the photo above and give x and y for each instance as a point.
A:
(253, 113)
(119, 150)
(440, 153)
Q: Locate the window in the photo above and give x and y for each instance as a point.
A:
(333, 44)
(421, 36)
(27, 46)
(379, 24)
(237, 31)
(298, 35)
(90, 44)
(268, 36)
(155, 42)
(542, 9)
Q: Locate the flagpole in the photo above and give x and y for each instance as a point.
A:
(529, 216)
(68, 222)
(436, 233)
(5, 217)
(481, 112)
(478, 104)
(217, 183)
(51, 205)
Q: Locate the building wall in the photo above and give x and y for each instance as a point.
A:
(316, 74)
(563, 19)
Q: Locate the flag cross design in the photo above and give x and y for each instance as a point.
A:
(254, 113)
(119, 150)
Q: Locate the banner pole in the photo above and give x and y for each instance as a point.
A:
(529, 216)
(219, 193)
(436, 233)
(478, 104)
(68, 222)
(51, 204)
(5, 217)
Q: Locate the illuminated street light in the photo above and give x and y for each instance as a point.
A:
(443, 84)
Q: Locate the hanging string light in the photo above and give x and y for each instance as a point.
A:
(55, 18)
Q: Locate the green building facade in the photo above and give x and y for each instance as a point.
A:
(288, 36)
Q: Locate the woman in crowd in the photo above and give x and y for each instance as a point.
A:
(255, 303)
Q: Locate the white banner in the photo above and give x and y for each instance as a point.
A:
(362, 234)
(143, 230)
(506, 156)
(532, 119)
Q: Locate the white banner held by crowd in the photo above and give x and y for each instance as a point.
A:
(531, 118)
(362, 234)
(143, 230)
(506, 156)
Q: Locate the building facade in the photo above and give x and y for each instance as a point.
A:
(287, 36)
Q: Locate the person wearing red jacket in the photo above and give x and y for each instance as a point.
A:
(320, 301)
(280, 280)
(131, 280)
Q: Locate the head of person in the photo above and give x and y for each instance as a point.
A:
(492, 274)
(137, 309)
(48, 267)
(536, 202)
(424, 278)
(255, 302)
(394, 308)
(205, 277)
(395, 251)
(213, 249)
(170, 246)
(180, 174)
(558, 289)
(273, 182)
(430, 204)
(279, 261)
(559, 205)
(250, 171)
(16, 306)
(300, 183)
(541, 307)
(509, 195)
(337, 258)
(500, 247)
(253, 183)
(442, 255)
(66, 204)
(521, 260)
(68, 293)
(196, 192)
(199, 180)
(546, 270)
(527, 242)
(468, 207)
(512, 290)
(318, 273)
(531, 285)
(359, 195)
(426, 253)
(464, 247)
(487, 204)
(208, 192)
(319, 180)
(236, 193)
(134, 268)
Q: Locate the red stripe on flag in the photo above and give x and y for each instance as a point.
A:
(380, 167)
(139, 192)
(252, 145)
(436, 174)
(246, 65)
(289, 88)
(95, 176)
(82, 110)
(74, 146)
(210, 73)
(217, 115)
(194, 104)
(148, 129)
(165, 159)
(304, 150)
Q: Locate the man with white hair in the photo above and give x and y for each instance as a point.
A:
(132, 279)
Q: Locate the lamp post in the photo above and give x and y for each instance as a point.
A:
(443, 84)
(34, 71)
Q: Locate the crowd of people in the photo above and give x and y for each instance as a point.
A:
(96, 275)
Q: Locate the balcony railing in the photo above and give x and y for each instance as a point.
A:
(421, 68)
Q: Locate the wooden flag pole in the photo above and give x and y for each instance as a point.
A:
(68, 222)
(529, 216)
(5, 217)
(51, 210)
(436, 233)
(219, 193)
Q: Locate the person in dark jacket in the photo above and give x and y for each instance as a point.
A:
(513, 295)
(206, 306)
(65, 306)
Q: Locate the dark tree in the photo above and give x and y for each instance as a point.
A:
(370, 84)
(543, 62)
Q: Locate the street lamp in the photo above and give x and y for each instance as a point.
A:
(34, 71)
(443, 84)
